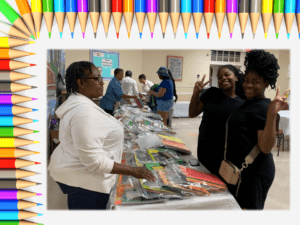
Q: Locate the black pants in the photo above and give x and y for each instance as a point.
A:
(109, 111)
(79, 198)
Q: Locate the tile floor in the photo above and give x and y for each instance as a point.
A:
(279, 194)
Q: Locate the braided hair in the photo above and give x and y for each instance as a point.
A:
(75, 71)
(264, 64)
(239, 83)
(174, 86)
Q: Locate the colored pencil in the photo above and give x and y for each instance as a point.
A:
(8, 42)
(105, 9)
(82, 9)
(15, 152)
(15, 164)
(220, 9)
(14, 99)
(60, 13)
(209, 10)
(12, 31)
(7, 53)
(15, 173)
(6, 121)
(175, 14)
(8, 64)
(17, 215)
(298, 15)
(186, 13)
(140, 13)
(116, 11)
(289, 15)
(10, 110)
(25, 12)
(16, 204)
(9, 76)
(9, 87)
(94, 11)
(278, 15)
(163, 13)
(15, 142)
(231, 12)
(48, 12)
(37, 14)
(243, 10)
(18, 222)
(255, 11)
(14, 17)
(266, 13)
(197, 15)
(16, 184)
(71, 11)
(128, 14)
(151, 10)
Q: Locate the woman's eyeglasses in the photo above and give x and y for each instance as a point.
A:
(100, 79)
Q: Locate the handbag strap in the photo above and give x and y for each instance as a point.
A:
(250, 157)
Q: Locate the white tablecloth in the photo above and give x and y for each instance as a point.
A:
(284, 123)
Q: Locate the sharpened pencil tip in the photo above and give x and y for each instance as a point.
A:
(174, 35)
(230, 35)
(117, 35)
(31, 42)
(141, 35)
(163, 35)
(219, 35)
(95, 35)
(277, 34)
(36, 142)
(32, 37)
(36, 153)
(49, 34)
(266, 34)
(128, 34)
(40, 214)
(253, 35)
(33, 87)
(38, 35)
(106, 35)
(60, 34)
(197, 35)
(288, 35)
(83, 35)
(31, 53)
(72, 35)
(32, 64)
(299, 35)
(35, 131)
(34, 99)
(185, 35)
(35, 121)
(151, 35)
(243, 35)
(37, 163)
(39, 204)
(208, 35)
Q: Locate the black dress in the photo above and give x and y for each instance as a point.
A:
(217, 108)
(257, 179)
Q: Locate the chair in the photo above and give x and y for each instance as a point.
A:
(279, 134)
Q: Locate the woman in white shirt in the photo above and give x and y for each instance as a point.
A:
(91, 143)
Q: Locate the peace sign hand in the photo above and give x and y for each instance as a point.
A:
(199, 85)
(279, 102)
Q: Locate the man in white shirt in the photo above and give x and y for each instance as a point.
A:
(129, 86)
(147, 84)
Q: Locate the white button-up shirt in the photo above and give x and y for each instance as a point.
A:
(147, 86)
(129, 86)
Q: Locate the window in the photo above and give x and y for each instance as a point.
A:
(225, 56)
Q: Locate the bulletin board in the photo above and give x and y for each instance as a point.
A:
(175, 64)
(106, 62)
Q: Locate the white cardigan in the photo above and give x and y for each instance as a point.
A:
(90, 142)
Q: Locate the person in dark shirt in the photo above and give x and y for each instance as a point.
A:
(254, 123)
(217, 104)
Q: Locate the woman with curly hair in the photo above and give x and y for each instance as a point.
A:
(217, 104)
(254, 124)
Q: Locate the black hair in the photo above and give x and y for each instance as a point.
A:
(264, 64)
(142, 76)
(174, 86)
(239, 90)
(118, 70)
(75, 71)
(128, 73)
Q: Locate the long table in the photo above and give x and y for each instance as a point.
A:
(220, 201)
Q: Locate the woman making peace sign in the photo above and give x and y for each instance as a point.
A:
(254, 123)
